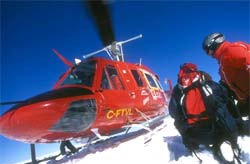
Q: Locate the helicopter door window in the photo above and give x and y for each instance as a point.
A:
(137, 78)
(114, 77)
(159, 84)
(151, 80)
(105, 82)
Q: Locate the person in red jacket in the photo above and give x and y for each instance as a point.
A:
(234, 62)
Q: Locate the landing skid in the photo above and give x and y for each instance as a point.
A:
(99, 141)
(147, 125)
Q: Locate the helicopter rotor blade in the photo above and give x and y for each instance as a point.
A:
(99, 10)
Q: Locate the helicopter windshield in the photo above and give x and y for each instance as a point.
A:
(82, 74)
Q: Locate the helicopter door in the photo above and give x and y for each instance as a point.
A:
(154, 88)
(117, 102)
(142, 94)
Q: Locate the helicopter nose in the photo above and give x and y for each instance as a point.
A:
(62, 110)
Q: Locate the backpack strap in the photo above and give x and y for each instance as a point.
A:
(198, 116)
(209, 99)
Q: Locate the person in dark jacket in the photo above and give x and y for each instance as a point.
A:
(67, 144)
(199, 108)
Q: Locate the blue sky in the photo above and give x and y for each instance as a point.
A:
(172, 34)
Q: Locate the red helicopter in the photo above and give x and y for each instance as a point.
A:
(95, 93)
(94, 97)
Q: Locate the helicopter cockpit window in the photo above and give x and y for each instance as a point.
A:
(114, 78)
(82, 74)
(151, 80)
(137, 78)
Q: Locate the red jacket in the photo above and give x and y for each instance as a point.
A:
(234, 61)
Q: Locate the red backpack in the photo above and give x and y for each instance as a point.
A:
(191, 100)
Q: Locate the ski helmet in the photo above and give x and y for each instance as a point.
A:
(213, 41)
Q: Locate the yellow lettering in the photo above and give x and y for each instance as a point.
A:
(126, 112)
(123, 112)
(119, 113)
(110, 114)
(130, 112)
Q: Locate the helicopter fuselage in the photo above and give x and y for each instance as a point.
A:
(94, 94)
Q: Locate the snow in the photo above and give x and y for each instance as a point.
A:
(165, 147)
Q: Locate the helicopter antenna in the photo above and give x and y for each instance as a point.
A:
(140, 61)
(114, 50)
(67, 62)
(168, 82)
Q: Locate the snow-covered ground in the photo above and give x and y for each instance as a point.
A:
(165, 147)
